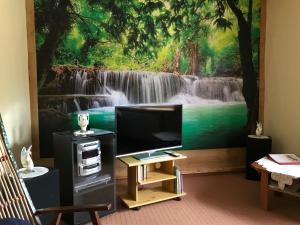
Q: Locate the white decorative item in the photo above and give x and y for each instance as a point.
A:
(282, 180)
(83, 121)
(283, 174)
(259, 129)
(26, 159)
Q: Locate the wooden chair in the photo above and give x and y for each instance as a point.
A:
(15, 201)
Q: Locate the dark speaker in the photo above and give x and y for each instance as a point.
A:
(257, 147)
(44, 192)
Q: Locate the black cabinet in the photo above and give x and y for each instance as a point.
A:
(44, 192)
(257, 147)
(78, 188)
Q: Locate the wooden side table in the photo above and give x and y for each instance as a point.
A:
(266, 186)
(264, 183)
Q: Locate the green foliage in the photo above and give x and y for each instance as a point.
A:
(226, 51)
(164, 60)
(69, 50)
(144, 35)
(184, 63)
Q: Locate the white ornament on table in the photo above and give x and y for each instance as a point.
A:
(26, 159)
(29, 170)
(83, 122)
(259, 129)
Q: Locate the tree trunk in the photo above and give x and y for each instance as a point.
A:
(193, 68)
(177, 62)
(57, 29)
(250, 87)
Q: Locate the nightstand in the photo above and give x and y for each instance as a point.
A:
(257, 147)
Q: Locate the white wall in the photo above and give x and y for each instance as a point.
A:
(282, 95)
(14, 81)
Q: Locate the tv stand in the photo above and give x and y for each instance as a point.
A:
(159, 169)
(150, 155)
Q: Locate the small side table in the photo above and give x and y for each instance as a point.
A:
(44, 192)
(266, 185)
(257, 148)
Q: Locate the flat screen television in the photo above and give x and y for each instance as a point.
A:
(148, 128)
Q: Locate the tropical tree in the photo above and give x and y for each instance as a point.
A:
(54, 20)
(244, 19)
(135, 24)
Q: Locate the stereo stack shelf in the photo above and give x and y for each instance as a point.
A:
(159, 169)
(95, 188)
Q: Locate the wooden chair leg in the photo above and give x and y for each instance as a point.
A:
(264, 191)
(56, 221)
(95, 218)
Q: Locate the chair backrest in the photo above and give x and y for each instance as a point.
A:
(15, 201)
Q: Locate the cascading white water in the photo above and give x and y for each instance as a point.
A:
(78, 82)
(187, 99)
(136, 87)
(118, 98)
(113, 99)
(221, 88)
(77, 105)
(143, 87)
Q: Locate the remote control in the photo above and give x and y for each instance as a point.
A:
(175, 154)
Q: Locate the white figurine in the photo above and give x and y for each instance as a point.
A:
(83, 121)
(26, 159)
(259, 129)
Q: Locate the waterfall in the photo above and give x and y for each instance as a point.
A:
(115, 98)
(138, 87)
(187, 99)
(221, 88)
(78, 83)
(77, 105)
(149, 87)
(143, 87)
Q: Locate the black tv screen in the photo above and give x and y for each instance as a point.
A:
(148, 128)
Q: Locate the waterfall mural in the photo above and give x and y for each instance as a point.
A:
(108, 53)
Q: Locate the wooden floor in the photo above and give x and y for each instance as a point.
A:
(222, 199)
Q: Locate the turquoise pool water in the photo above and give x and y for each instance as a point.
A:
(205, 126)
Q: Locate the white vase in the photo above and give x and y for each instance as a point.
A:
(83, 121)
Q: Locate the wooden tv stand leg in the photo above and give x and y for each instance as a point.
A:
(132, 174)
(264, 190)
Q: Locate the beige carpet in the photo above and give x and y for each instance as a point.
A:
(223, 199)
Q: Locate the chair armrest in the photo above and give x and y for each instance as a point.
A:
(69, 209)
